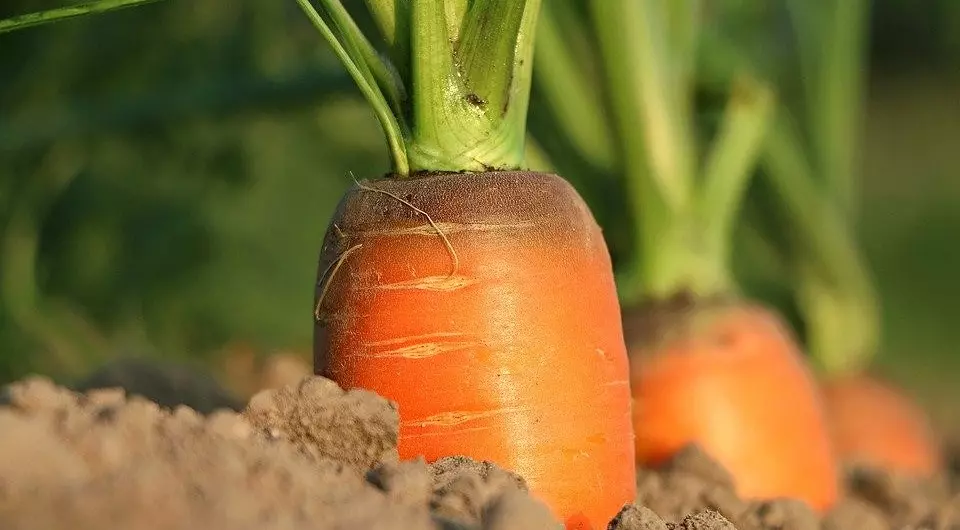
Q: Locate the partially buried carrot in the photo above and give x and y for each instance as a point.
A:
(729, 376)
(478, 297)
(875, 423)
(493, 323)
(714, 368)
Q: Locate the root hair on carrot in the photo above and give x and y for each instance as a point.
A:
(446, 241)
(327, 277)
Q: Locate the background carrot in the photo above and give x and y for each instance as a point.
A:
(811, 188)
(478, 298)
(706, 362)
(875, 424)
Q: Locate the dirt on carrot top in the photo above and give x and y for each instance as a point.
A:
(312, 455)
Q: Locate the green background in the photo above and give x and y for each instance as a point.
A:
(167, 174)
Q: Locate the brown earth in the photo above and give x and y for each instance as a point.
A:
(311, 456)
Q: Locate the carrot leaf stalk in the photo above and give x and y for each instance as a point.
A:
(834, 290)
(683, 207)
(39, 18)
(811, 167)
(831, 51)
(570, 95)
(452, 91)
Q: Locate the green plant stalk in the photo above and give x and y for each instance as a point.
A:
(458, 100)
(832, 37)
(684, 222)
(39, 18)
(837, 101)
(575, 101)
(728, 168)
(834, 289)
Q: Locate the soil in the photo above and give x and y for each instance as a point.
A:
(313, 456)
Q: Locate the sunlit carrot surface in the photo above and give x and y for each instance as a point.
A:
(875, 423)
(730, 378)
(484, 305)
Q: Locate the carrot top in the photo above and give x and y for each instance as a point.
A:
(683, 203)
(450, 82)
(810, 165)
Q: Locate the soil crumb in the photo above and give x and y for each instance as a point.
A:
(307, 456)
(875, 500)
(635, 517)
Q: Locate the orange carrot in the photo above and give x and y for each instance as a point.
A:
(484, 304)
(478, 297)
(728, 377)
(876, 424)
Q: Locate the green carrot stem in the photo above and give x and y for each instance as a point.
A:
(730, 165)
(574, 100)
(39, 18)
(684, 210)
(649, 210)
(832, 46)
(643, 57)
(836, 104)
(454, 96)
(393, 19)
(367, 85)
(835, 291)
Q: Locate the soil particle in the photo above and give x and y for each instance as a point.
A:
(874, 500)
(904, 501)
(355, 427)
(635, 517)
(855, 514)
(464, 488)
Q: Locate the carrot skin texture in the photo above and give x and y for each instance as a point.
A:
(734, 382)
(874, 423)
(499, 341)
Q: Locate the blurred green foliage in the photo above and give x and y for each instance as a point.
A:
(167, 173)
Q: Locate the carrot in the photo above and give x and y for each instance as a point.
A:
(492, 324)
(874, 423)
(478, 297)
(729, 376)
(718, 370)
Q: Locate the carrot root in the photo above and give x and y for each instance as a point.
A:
(729, 377)
(514, 354)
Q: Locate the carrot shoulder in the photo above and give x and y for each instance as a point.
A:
(484, 305)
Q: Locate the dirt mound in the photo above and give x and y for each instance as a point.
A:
(874, 500)
(305, 457)
(313, 456)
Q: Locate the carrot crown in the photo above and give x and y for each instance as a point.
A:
(450, 84)
(683, 206)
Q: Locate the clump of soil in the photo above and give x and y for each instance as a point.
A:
(313, 456)
(306, 456)
(874, 500)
